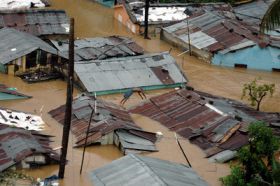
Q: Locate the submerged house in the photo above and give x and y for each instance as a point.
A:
(111, 124)
(7, 93)
(116, 75)
(136, 170)
(21, 51)
(44, 23)
(224, 41)
(24, 149)
(22, 4)
(100, 48)
(219, 126)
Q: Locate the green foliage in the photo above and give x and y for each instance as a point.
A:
(257, 163)
(256, 92)
(271, 19)
(10, 177)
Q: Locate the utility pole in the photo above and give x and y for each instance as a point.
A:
(146, 22)
(189, 39)
(69, 99)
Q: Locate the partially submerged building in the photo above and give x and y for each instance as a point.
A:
(224, 41)
(7, 93)
(100, 48)
(44, 23)
(111, 124)
(24, 149)
(217, 125)
(21, 119)
(22, 4)
(150, 71)
(136, 170)
(21, 51)
(131, 15)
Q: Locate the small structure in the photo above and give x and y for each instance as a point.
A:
(22, 4)
(21, 51)
(151, 71)
(21, 120)
(136, 170)
(131, 14)
(110, 125)
(100, 48)
(24, 149)
(7, 93)
(214, 124)
(222, 41)
(44, 23)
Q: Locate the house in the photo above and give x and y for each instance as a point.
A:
(137, 170)
(21, 52)
(44, 23)
(115, 75)
(7, 93)
(22, 4)
(24, 149)
(111, 124)
(219, 126)
(99, 48)
(224, 41)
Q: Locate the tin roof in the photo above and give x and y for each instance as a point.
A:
(109, 118)
(22, 4)
(37, 22)
(17, 144)
(100, 48)
(136, 170)
(15, 44)
(115, 74)
(7, 93)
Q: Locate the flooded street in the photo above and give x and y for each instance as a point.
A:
(93, 20)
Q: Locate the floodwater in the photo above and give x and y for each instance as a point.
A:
(93, 20)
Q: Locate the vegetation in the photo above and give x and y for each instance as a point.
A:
(257, 165)
(256, 92)
(271, 19)
(11, 177)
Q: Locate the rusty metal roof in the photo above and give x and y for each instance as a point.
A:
(207, 121)
(17, 144)
(109, 118)
(37, 22)
(100, 48)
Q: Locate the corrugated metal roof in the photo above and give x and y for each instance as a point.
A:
(22, 4)
(110, 118)
(136, 170)
(7, 93)
(37, 21)
(15, 44)
(129, 72)
(100, 48)
(17, 144)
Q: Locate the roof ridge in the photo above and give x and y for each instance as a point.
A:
(141, 162)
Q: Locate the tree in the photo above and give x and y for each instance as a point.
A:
(256, 92)
(257, 164)
(271, 18)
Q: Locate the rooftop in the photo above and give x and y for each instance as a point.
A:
(136, 170)
(7, 93)
(22, 4)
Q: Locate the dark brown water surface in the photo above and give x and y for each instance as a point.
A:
(93, 20)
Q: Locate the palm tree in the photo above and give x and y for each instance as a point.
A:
(271, 18)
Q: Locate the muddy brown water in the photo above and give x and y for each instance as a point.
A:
(93, 20)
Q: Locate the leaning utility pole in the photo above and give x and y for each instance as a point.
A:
(68, 109)
(146, 22)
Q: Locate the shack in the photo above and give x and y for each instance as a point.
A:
(44, 23)
(20, 148)
(116, 75)
(224, 41)
(7, 93)
(21, 52)
(136, 170)
(217, 125)
(111, 124)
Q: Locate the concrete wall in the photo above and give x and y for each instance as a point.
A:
(254, 57)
